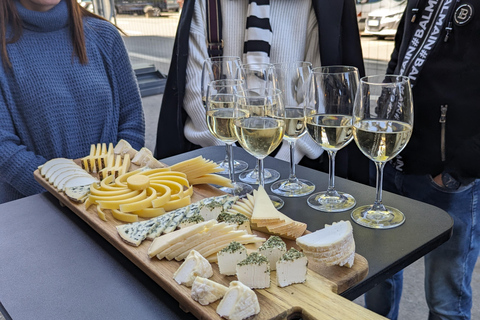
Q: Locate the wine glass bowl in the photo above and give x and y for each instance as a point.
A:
(220, 115)
(293, 79)
(221, 68)
(383, 124)
(329, 123)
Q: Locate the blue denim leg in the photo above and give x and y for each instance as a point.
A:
(384, 299)
(449, 268)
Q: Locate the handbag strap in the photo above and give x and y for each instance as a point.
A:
(214, 29)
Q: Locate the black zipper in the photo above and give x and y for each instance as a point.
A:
(443, 123)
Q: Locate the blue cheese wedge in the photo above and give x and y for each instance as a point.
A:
(195, 265)
(273, 249)
(163, 222)
(229, 256)
(254, 271)
(238, 303)
(206, 291)
(78, 194)
(176, 219)
(134, 233)
(291, 268)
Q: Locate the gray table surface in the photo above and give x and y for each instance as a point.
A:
(54, 266)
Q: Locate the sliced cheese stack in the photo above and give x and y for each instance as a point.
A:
(194, 265)
(238, 303)
(65, 175)
(273, 249)
(206, 291)
(97, 159)
(229, 256)
(267, 218)
(254, 271)
(243, 206)
(291, 268)
(201, 171)
(207, 238)
(332, 245)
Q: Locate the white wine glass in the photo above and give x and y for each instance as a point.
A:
(293, 79)
(261, 129)
(221, 68)
(220, 114)
(257, 75)
(383, 124)
(329, 123)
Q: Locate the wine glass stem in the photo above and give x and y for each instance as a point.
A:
(292, 178)
(331, 172)
(378, 205)
(261, 177)
(231, 167)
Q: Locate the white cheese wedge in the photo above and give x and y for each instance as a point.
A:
(238, 303)
(229, 256)
(254, 271)
(273, 249)
(195, 265)
(206, 291)
(291, 268)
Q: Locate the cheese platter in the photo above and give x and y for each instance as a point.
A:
(316, 298)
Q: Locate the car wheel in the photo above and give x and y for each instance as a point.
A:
(381, 37)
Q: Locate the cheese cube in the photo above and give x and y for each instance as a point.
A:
(291, 268)
(239, 302)
(207, 291)
(273, 249)
(254, 271)
(229, 256)
(194, 265)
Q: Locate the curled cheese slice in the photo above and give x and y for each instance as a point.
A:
(121, 181)
(116, 204)
(188, 192)
(150, 212)
(127, 194)
(175, 204)
(138, 182)
(142, 204)
(175, 187)
(101, 214)
(96, 190)
(163, 195)
(105, 184)
(156, 170)
(212, 179)
(125, 217)
(181, 180)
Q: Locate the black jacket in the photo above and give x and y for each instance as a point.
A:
(450, 76)
(339, 44)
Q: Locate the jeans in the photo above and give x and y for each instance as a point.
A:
(449, 268)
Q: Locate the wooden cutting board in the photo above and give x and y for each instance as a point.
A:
(317, 298)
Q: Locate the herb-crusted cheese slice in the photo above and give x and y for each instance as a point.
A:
(291, 268)
(229, 256)
(273, 249)
(213, 206)
(254, 271)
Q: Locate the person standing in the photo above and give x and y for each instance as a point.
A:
(66, 82)
(322, 32)
(437, 47)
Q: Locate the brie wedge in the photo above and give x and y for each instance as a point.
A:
(195, 265)
(239, 302)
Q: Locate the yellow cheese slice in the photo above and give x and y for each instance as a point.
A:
(107, 204)
(142, 204)
(150, 212)
(101, 214)
(125, 217)
(264, 210)
(176, 204)
(163, 195)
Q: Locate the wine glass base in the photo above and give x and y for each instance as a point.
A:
(378, 219)
(238, 166)
(323, 202)
(299, 188)
(277, 201)
(251, 176)
(239, 189)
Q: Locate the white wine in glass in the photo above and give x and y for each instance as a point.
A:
(258, 75)
(383, 123)
(293, 79)
(220, 115)
(329, 123)
(221, 68)
(262, 128)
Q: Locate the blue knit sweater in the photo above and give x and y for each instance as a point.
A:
(53, 106)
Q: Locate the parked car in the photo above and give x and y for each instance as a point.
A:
(365, 7)
(87, 4)
(384, 22)
(156, 7)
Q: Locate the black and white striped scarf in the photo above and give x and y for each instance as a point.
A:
(258, 33)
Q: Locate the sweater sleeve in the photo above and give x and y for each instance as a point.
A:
(196, 130)
(131, 126)
(17, 163)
